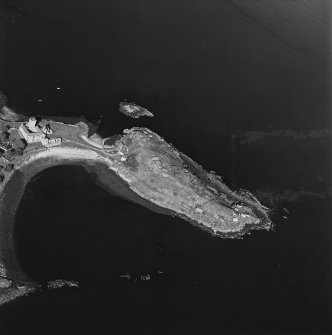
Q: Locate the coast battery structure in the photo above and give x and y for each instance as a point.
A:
(34, 133)
(30, 131)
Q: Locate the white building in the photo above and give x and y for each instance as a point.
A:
(51, 142)
(29, 135)
(32, 125)
(33, 133)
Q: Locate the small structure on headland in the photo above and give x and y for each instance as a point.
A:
(33, 132)
(133, 110)
(46, 128)
(51, 142)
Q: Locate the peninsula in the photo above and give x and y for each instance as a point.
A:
(148, 171)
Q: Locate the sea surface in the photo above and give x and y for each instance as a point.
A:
(243, 88)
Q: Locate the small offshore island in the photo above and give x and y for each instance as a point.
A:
(133, 110)
(139, 166)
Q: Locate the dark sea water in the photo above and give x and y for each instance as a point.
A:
(243, 88)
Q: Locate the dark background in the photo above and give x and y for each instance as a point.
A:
(243, 87)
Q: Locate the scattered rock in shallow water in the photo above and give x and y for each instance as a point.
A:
(146, 277)
(127, 276)
(61, 283)
(3, 270)
(5, 283)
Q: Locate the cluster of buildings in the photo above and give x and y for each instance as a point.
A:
(33, 132)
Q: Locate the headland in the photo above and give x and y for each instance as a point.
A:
(138, 165)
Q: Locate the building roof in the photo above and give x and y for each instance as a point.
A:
(28, 131)
(24, 129)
